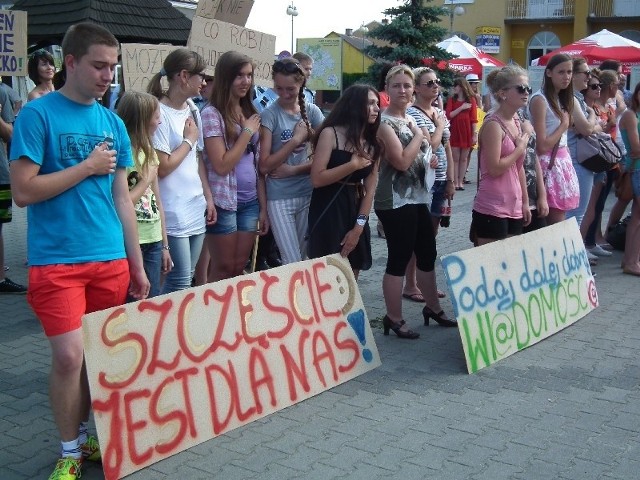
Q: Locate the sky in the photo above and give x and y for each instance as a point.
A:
(316, 18)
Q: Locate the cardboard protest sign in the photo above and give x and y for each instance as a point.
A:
(13, 42)
(179, 369)
(230, 11)
(511, 294)
(211, 38)
(140, 62)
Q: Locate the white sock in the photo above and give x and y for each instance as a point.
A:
(71, 449)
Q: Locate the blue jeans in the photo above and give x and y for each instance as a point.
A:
(586, 179)
(185, 252)
(152, 261)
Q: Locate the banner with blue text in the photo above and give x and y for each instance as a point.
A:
(511, 294)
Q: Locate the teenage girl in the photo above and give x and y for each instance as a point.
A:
(232, 147)
(185, 191)
(287, 127)
(462, 112)
(140, 113)
(550, 110)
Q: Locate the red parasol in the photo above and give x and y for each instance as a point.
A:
(470, 59)
(596, 48)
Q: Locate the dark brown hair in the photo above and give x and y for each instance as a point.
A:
(177, 61)
(81, 36)
(34, 63)
(351, 111)
(565, 96)
(227, 68)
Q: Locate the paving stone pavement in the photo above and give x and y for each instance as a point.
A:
(565, 408)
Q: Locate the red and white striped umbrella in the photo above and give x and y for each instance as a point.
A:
(596, 48)
(470, 59)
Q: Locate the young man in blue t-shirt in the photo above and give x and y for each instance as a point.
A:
(68, 160)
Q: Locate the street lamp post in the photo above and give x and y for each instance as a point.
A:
(454, 10)
(364, 30)
(293, 11)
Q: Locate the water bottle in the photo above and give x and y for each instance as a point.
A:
(445, 214)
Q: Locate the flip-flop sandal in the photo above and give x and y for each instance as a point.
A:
(414, 297)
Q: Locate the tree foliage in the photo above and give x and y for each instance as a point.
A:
(412, 35)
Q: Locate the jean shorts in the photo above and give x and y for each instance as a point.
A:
(244, 219)
(437, 198)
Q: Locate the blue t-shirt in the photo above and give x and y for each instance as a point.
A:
(80, 224)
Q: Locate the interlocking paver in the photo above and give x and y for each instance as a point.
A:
(566, 408)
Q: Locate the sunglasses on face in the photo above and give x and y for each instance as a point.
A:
(586, 72)
(522, 89)
(595, 86)
(287, 67)
(431, 83)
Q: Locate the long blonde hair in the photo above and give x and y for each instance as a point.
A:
(136, 110)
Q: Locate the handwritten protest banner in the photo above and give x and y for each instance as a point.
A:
(211, 38)
(511, 294)
(13, 42)
(230, 11)
(140, 62)
(173, 371)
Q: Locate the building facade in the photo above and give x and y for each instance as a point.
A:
(523, 30)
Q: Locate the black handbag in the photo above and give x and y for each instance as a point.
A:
(617, 234)
(598, 152)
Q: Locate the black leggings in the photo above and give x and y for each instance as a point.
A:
(408, 230)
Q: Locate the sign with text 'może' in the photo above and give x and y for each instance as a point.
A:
(211, 38)
(511, 294)
(140, 62)
(179, 369)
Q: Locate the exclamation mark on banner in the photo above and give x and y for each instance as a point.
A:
(356, 320)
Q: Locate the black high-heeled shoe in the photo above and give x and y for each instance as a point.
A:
(389, 324)
(439, 317)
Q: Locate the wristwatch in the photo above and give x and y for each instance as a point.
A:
(361, 220)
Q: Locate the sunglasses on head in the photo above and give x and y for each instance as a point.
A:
(595, 86)
(287, 67)
(432, 83)
(523, 89)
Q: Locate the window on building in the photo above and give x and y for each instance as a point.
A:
(631, 35)
(464, 37)
(541, 44)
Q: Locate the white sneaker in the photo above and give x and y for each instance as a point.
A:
(591, 257)
(598, 251)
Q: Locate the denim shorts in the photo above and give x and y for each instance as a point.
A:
(437, 198)
(244, 219)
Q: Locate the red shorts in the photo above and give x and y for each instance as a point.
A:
(61, 294)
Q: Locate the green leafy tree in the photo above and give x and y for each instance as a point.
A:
(412, 35)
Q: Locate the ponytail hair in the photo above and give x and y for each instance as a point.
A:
(178, 60)
(290, 66)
